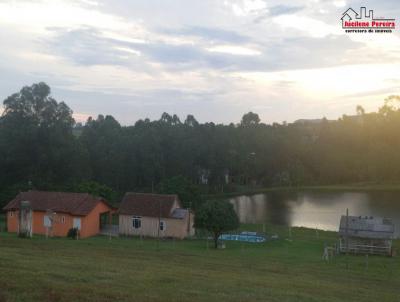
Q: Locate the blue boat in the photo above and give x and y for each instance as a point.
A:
(253, 237)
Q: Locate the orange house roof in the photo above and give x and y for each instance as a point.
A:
(80, 204)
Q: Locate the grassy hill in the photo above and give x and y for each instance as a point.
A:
(126, 269)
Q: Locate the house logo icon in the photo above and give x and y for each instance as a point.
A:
(365, 21)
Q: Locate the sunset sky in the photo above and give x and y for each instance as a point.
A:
(216, 60)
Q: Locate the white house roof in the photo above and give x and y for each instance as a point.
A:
(367, 227)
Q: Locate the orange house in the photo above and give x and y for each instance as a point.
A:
(55, 213)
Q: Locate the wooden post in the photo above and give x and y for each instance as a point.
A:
(189, 228)
(347, 238)
(347, 230)
(325, 256)
(159, 224)
(109, 224)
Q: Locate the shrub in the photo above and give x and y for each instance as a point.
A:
(73, 233)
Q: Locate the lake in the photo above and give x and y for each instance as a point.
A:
(316, 209)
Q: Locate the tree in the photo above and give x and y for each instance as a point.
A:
(391, 104)
(34, 103)
(40, 147)
(216, 217)
(189, 194)
(95, 189)
(36, 138)
(191, 121)
(166, 118)
(250, 119)
(360, 110)
(102, 140)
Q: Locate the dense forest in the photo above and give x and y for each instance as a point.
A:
(41, 147)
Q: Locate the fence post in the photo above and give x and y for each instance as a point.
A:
(347, 238)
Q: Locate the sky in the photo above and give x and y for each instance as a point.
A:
(215, 59)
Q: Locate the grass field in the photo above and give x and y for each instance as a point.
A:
(126, 269)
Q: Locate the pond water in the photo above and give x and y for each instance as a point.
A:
(314, 209)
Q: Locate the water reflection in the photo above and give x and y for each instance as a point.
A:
(316, 209)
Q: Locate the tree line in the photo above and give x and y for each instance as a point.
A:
(42, 147)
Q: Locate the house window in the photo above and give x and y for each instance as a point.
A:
(163, 225)
(46, 221)
(136, 222)
(62, 219)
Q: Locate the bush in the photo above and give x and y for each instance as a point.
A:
(23, 235)
(73, 233)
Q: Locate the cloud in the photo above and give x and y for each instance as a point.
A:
(90, 2)
(88, 46)
(246, 7)
(234, 50)
(307, 25)
(133, 59)
(284, 10)
(211, 34)
(278, 10)
(36, 16)
(339, 3)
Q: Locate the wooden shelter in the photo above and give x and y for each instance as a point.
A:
(366, 235)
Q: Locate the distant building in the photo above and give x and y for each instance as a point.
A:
(55, 213)
(204, 175)
(366, 235)
(154, 215)
(227, 178)
(316, 121)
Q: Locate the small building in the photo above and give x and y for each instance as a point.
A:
(154, 215)
(55, 213)
(366, 235)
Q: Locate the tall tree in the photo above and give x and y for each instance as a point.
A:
(216, 217)
(42, 148)
(249, 119)
(36, 137)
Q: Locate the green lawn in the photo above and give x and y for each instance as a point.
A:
(126, 269)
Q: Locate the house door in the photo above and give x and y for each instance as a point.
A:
(104, 220)
(77, 223)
